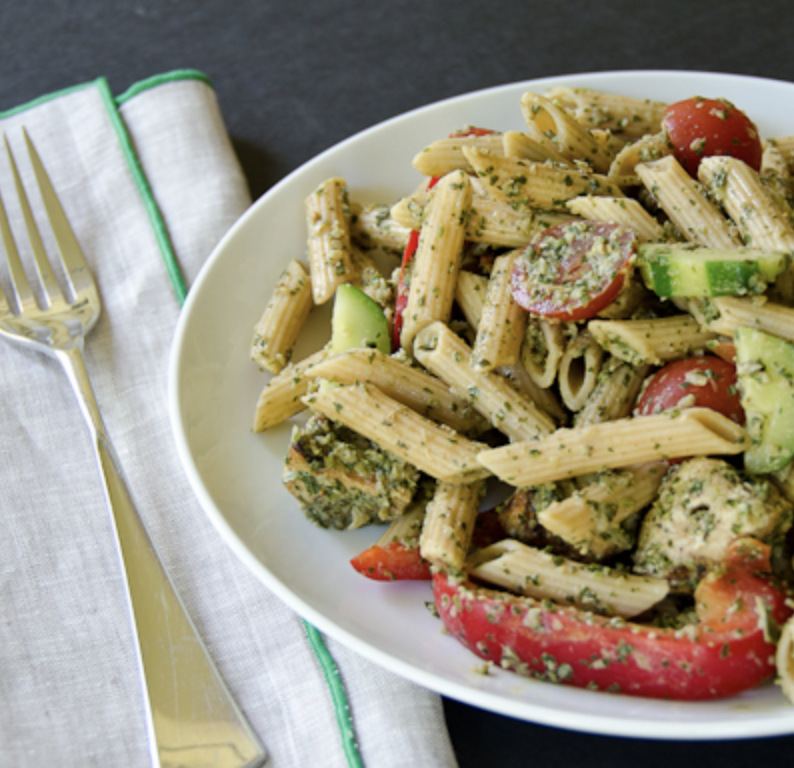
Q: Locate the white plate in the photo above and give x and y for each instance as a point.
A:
(235, 474)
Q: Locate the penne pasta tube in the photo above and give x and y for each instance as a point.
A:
(623, 170)
(410, 386)
(281, 397)
(525, 147)
(372, 226)
(287, 309)
(433, 448)
(497, 223)
(500, 332)
(569, 453)
(762, 315)
(447, 356)
(619, 210)
(546, 399)
(738, 187)
(609, 111)
(470, 292)
(437, 259)
(579, 369)
(526, 185)
(552, 126)
(330, 262)
(784, 659)
(449, 524)
(698, 220)
(615, 393)
(545, 576)
(542, 350)
(367, 276)
(785, 145)
(590, 518)
(446, 155)
(492, 222)
(653, 340)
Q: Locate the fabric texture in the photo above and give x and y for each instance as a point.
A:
(150, 183)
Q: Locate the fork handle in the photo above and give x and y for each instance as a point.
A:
(192, 719)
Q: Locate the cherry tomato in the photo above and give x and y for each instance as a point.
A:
(699, 128)
(574, 270)
(707, 381)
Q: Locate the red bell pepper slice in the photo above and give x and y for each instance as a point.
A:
(397, 561)
(392, 562)
(730, 650)
(402, 288)
(471, 131)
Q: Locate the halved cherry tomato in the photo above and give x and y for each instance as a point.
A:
(392, 562)
(731, 649)
(574, 270)
(699, 128)
(706, 381)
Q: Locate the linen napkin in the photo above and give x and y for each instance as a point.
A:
(150, 182)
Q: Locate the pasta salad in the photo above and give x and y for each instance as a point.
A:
(596, 316)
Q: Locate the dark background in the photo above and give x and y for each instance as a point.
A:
(294, 78)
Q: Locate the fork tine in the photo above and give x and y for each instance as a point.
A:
(19, 281)
(46, 276)
(78, 274)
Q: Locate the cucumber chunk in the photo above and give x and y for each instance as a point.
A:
(357, 321)
(765, 374)
(671, 271)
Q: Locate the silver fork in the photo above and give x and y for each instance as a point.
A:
(191, 718)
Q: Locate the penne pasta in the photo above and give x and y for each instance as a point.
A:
(522, 146)
(735, 311)
(500, 331)
(609, 111)
(526, 185)
(619, 210)
(437, 258)
(287, 309)
(542, 350)
(447, 356)
(615, 393)
(405, 383)
(545, 399)
(449, 524)
(373, 227)
(330, 261)
(446, 155)
(579, 369)
(281, 397)
(623, 170)
(590, 518)
(653, 340)
(435, 449)
(569, 453)
(545, 576)
(738, 187)
(784, 659)
(553, 127)
(698, 219)
(470, 292)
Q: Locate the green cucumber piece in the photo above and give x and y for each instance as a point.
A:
(671, 271)
(357, 321)
(765, 375)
